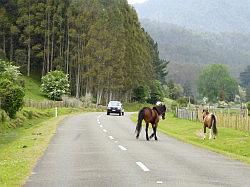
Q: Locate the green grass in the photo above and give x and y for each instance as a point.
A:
(21, 147)
(33, 89)
(131, 107)
(230, 142)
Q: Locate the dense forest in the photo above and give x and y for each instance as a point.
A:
(99, 43)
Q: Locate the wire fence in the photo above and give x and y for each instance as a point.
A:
(229, 118)
(60, 104)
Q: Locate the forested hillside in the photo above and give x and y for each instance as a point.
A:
(183, 46)
(99, 43)
(194, 33)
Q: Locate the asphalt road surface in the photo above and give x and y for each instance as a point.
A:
(98, 150)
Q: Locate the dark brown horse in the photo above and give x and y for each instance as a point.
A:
(209, 120)
(150, 116)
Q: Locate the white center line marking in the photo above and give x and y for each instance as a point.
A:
(142, 166)
(116, 141)
(99, 122)
(104, 130)
(122, 148)
(111, 137)
(159, 182)
(101, 126)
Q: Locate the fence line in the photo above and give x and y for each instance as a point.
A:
(60, 104)
(230, 119)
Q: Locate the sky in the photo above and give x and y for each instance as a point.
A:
(136, 1)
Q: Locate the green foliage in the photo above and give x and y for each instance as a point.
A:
(248, 93)
(216, 83)
(175, 90)
(100, 44)
(156, 92)
(245, 77)
(248, 107)
(55, 84)
(141, 94)
(11, 94)
(182, 101)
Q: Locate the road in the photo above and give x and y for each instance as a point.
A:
(94, 149)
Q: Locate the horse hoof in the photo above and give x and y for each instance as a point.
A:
(147, 139)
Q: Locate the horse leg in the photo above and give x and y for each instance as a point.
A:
(147, 124)
(204, 134)
(155, 128)
(152, 135)
(210, 134)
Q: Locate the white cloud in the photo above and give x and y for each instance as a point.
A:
(136, 1)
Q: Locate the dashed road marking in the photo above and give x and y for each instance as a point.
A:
(142, 166)
(159, 182)
(104, 130)
(122, 148)
(111, 137)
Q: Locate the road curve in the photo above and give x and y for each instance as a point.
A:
(94, 149)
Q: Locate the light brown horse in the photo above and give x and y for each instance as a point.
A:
(150, 116)
(209, 120)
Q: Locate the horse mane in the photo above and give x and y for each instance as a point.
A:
(160, 109)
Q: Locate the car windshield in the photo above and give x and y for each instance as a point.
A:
(114, 103)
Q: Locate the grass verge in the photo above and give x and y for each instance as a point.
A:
(230, 142)
(21, 147)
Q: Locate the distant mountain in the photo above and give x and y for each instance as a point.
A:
(189, 51)
(187, 47)
(199, 15)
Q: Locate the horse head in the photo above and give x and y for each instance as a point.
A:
(161, 110)
(204, 113)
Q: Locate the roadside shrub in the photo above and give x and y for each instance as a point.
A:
(182, 101)
(11, 94)
(55, 84)
(12, 97)
(173, 105)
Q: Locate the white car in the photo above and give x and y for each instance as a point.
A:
(115, 107)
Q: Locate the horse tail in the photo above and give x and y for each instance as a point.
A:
(214, 128)
(139, 121)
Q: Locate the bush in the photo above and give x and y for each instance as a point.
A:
(12, 99)
(55, 84)
(11, 94)
(182, 102)
(248, 108)
(141, 93)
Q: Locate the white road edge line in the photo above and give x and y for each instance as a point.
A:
(111, 137)
(122, 148)
(142, 166)
(104, 130)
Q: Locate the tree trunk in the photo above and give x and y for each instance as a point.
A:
(78, 82)
(4, 45)
(29, 46)
(52, 44)
(11, 47)
(68, 48)
(48, 43)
